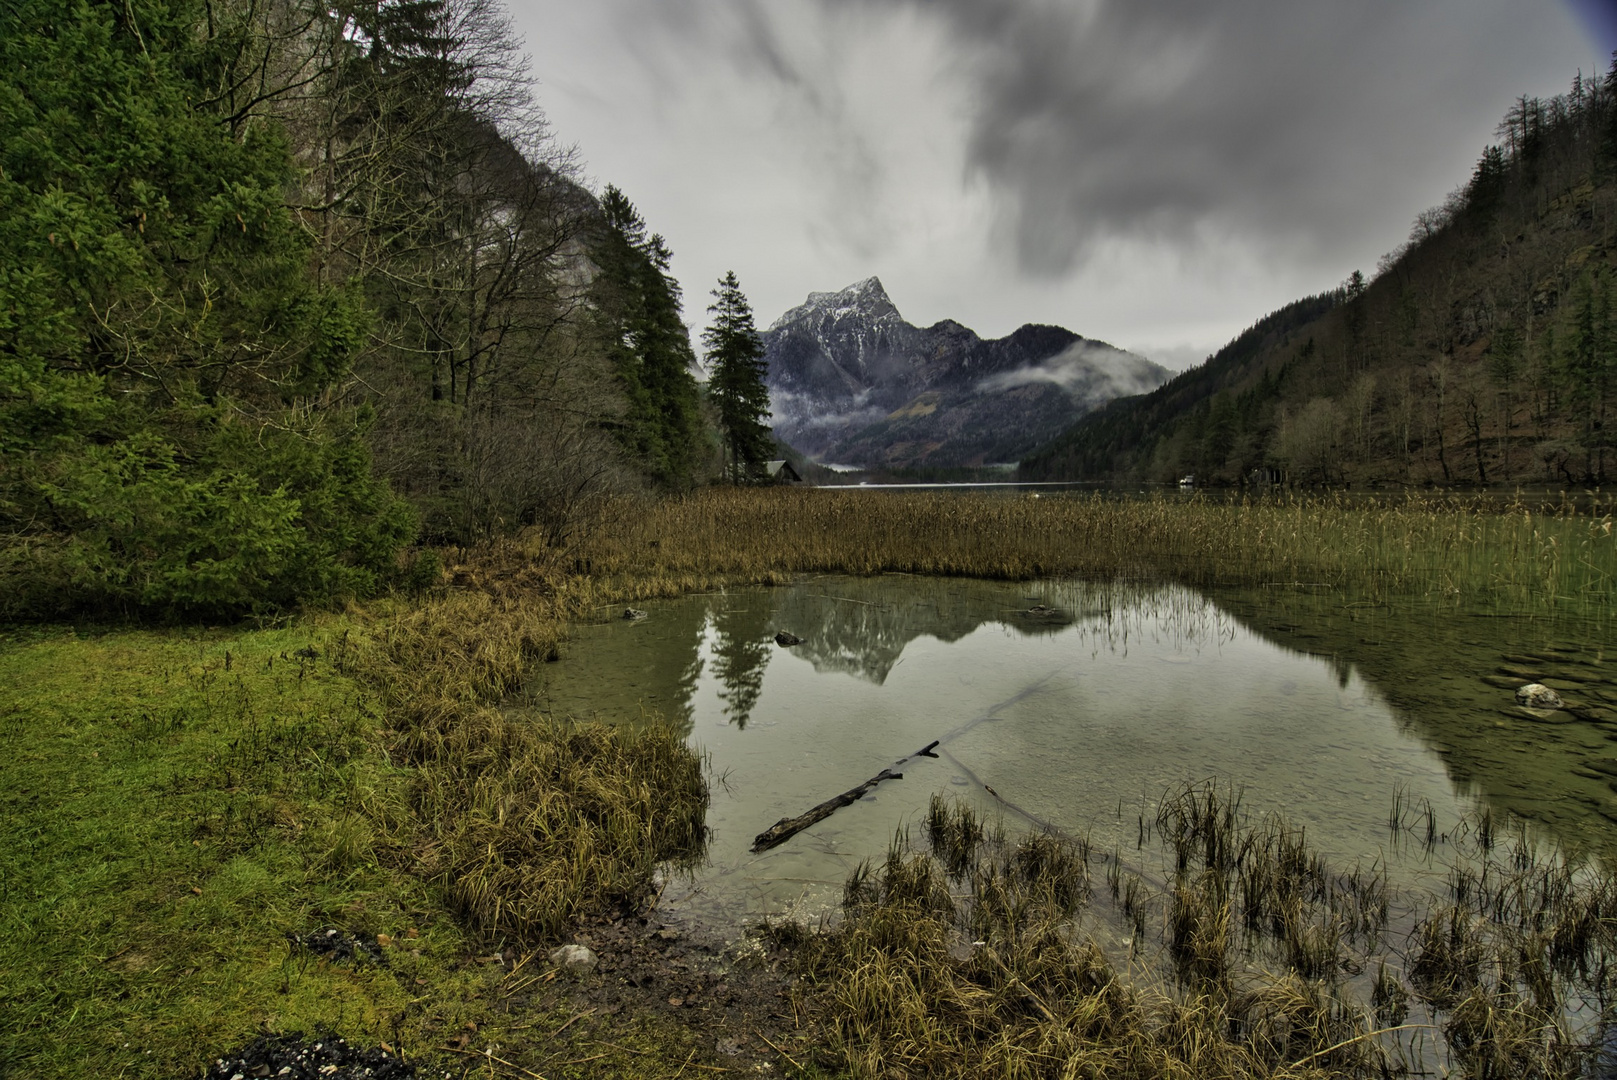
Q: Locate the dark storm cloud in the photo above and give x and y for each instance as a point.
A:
(1185, 121)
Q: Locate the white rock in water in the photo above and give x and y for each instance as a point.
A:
(575, 959)
(1538, 696)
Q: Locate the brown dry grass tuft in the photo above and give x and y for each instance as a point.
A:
(526, 827)
(998, 982)
(1507, 976)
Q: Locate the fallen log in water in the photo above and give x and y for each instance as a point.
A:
(786, 828)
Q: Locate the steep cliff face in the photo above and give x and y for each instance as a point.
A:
(852, 382)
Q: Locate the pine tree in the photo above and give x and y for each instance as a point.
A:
(735, 355)
(637, 311)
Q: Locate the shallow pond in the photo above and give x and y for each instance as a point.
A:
(1077, 705)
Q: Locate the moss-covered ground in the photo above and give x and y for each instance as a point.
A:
(178, 807)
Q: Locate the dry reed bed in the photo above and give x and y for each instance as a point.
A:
(525, 827)
(1445, 548)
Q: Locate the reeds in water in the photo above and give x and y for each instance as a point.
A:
(1263, 961)
(525, 826)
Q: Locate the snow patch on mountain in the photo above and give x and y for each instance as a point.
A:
(866, 300)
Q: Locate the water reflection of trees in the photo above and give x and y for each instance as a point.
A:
(1122, 613)
(742, 640)
(1432, 665)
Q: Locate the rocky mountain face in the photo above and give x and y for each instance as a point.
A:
(851, 382)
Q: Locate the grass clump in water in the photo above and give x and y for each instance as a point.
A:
(532, 825)
(1253, 958)
(998, 980)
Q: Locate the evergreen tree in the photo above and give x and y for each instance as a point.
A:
(168, 432)
(637, 310)
(735, 355)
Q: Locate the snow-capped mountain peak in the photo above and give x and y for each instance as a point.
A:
(851, 381)
(864, 300)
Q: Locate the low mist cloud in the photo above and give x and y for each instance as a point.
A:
(1085, 369)
(810, 419)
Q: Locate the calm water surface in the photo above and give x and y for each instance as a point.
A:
(1078, 705)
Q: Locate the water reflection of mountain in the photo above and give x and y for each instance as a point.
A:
(861, 627)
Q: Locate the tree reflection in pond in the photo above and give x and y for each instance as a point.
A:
(743, 634)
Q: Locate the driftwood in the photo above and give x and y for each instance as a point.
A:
(786, 828)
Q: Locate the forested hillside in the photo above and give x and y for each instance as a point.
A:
(286, 286)
(1483, 351)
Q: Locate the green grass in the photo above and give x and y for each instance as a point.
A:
(174, 804)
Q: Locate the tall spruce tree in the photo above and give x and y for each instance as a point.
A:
(637, 311)
(735, 355)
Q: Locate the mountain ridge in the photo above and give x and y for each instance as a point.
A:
(852, 381)
(1483, 350)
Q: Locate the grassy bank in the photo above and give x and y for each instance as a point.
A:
(183, 808)
(178, 808)
(188, 813)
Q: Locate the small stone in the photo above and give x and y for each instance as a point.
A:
(574, 959)
(786, 639)
(1538, 696)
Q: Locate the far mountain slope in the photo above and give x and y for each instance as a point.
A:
(1483, 352)
(852, 382)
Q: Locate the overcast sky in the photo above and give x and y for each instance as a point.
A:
(1158, 174)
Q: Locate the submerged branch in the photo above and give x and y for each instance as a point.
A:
(786, 828)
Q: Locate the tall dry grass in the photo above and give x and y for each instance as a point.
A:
(526, 827)
(1445, 548)
(997, 980)
(1254, 960)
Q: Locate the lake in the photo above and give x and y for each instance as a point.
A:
(1076, 705)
